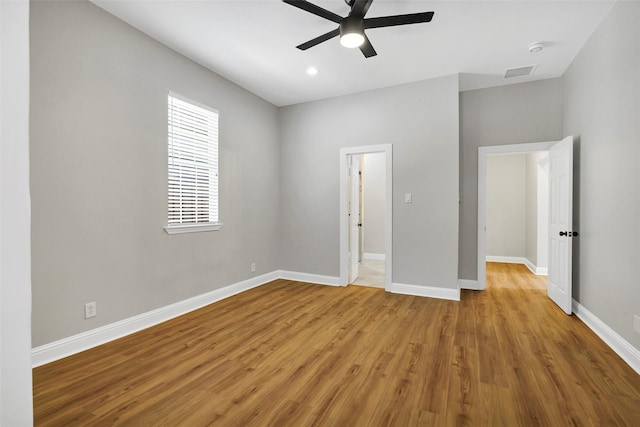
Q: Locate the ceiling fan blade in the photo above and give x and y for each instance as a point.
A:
(316, 10)
(367, 48)
(390, 21)
(319, 39)
(360, 8)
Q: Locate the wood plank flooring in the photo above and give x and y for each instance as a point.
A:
(295, 354)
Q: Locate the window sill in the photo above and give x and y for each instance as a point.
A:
(193, 228)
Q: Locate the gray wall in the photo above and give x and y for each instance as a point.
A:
(99, 171)
(531, 209)
(537, 206)
(374, 179)
(506, 205)
(16, 406)
(527, 112)
(421, 121)
(602, 109)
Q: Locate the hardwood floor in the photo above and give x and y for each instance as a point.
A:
(290, 353)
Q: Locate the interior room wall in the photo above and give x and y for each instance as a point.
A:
(374, 178)
(602, 110)
(543, 209)
(99, 171)
(16, 406)
(421, 121)
(519, 113)
(506, 205)
(537, 210)
(531, 208)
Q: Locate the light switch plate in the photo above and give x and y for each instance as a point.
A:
(407, 197)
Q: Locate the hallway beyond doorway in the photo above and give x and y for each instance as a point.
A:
(371, 273)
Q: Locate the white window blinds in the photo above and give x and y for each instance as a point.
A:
(193, 163)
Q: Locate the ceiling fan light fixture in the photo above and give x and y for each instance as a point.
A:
(351, 40)
(351, 33)
(351, 27)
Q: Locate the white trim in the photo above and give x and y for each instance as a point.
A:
(95, 337)
(373, 257)
(622, 347)
(541, 271)
(538, 271)
(483, 152)
(468, 284)
(308, 278)
(387, 149)
(507, 259)
(191, 101)
(193, 228)
(425, 291)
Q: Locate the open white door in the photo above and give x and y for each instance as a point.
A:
(560, 222)
(354, 216)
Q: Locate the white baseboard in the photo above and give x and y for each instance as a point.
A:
(308, 278)
(469, 284)
(541, 271)
(374, 257)
(425, 291)
(538, 271)
(71, 345)
(622, 347)
(507, 259)
(95, 337)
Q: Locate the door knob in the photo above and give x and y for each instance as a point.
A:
(575, 234)
(563, 233)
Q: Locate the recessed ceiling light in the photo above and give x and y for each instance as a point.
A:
(536, 47)
(312, 71)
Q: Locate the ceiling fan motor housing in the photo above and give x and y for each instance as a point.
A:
(352, 26)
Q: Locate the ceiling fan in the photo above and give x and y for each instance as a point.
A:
(351, 28)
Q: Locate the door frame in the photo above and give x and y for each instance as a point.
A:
(483, 152)
(387, 149)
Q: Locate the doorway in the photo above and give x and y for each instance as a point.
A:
(483, 154)
(366, 199)
(366, 215)
(560, 226)
(517, 200)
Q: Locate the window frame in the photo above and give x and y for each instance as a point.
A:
(191, 227)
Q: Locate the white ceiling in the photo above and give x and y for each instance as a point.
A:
(252, 42)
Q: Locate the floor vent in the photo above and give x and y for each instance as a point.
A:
(519, 71)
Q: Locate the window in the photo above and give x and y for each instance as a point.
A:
(193, 166)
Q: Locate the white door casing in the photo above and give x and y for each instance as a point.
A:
(561, 223)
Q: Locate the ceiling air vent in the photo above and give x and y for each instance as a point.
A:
(519, 71)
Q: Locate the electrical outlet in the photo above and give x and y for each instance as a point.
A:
(253, 267)
(90, 310)
(636, 323)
